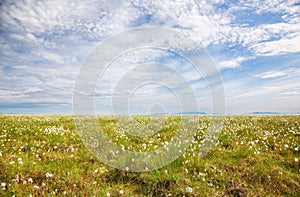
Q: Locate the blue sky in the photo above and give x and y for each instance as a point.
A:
(254, 44)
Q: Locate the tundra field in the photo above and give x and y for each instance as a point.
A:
(255, 155)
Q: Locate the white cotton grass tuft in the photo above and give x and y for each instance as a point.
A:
(189, 190)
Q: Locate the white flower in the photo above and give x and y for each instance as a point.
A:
(30, 180)
(189, 190)
(108, 194)
(16, 179)
(210, 184)
(3, 184)
(12, 163)
(296, 159)
(127, 169)
(49, 175)
(186, 170)
(36, 187)
(286, 146)
(121, 191)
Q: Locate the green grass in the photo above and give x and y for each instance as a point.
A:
(256, 155)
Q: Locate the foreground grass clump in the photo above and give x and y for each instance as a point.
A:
(256, 155)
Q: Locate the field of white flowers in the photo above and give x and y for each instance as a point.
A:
(255, 155)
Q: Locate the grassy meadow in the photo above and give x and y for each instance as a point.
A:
(256, 155)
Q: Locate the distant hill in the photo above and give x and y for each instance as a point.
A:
(191, 113)
(272, 113)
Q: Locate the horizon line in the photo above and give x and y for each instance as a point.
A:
(171, 113)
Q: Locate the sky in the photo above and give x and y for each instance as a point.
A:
(255, 46)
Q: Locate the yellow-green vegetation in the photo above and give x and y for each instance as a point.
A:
(256, 155)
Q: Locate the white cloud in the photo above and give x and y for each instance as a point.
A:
(281, 46)
(274, 6)
(272, 74)
(233, 63)
(50, 56)
(292, 72)
(291, 93)
(11, 94)
(50, 23)
(248, 94)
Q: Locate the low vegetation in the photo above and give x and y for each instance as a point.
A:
(255, 155)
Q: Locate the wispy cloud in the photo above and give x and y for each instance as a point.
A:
(272, 74)
(278, 73)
